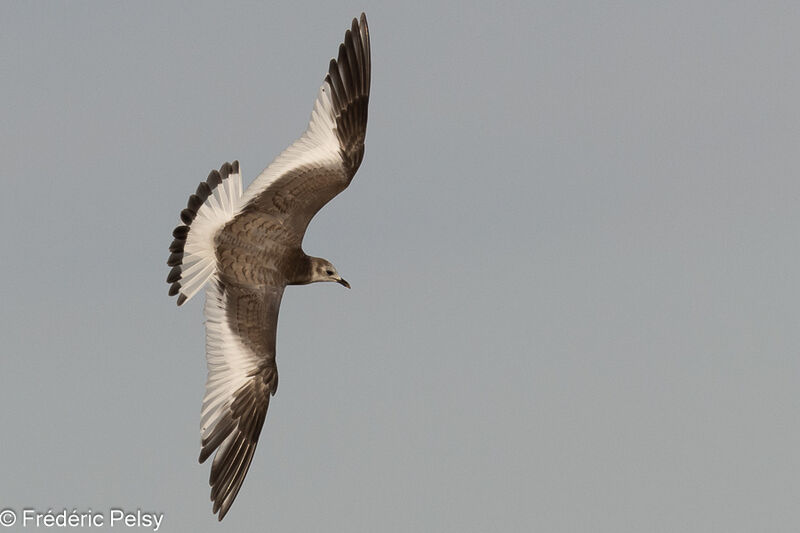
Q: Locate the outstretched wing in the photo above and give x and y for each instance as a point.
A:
(323, 161)
(241, 324)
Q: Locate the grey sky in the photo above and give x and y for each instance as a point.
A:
(572, 244)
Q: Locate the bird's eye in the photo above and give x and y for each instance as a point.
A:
(329, 272)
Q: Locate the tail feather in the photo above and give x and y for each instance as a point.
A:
(192, 255)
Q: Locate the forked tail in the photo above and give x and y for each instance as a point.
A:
(193, 257)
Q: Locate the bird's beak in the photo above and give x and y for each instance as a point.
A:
(342, 282)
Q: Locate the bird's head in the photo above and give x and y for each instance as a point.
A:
(323, 270)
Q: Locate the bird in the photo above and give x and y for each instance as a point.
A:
(245, 247)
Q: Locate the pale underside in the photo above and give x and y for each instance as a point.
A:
(246, 247)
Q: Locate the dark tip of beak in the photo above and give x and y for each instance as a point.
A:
(343, 282)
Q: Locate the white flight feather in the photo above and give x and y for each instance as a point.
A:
(230, 363)
(318, 147)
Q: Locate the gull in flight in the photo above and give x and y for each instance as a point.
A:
(246, 247)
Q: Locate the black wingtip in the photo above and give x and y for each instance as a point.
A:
(205, 453)
(364, 25)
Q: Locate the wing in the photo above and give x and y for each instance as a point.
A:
(323, 161)
(241, 324)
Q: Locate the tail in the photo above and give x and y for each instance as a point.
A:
(193, 257)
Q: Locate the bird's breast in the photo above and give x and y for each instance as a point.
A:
(250, 250)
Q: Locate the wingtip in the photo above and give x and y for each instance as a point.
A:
(205, 453)
(220, 508)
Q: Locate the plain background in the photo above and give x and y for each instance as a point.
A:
(573, 246)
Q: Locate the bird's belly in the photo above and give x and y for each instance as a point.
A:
(251, 257)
